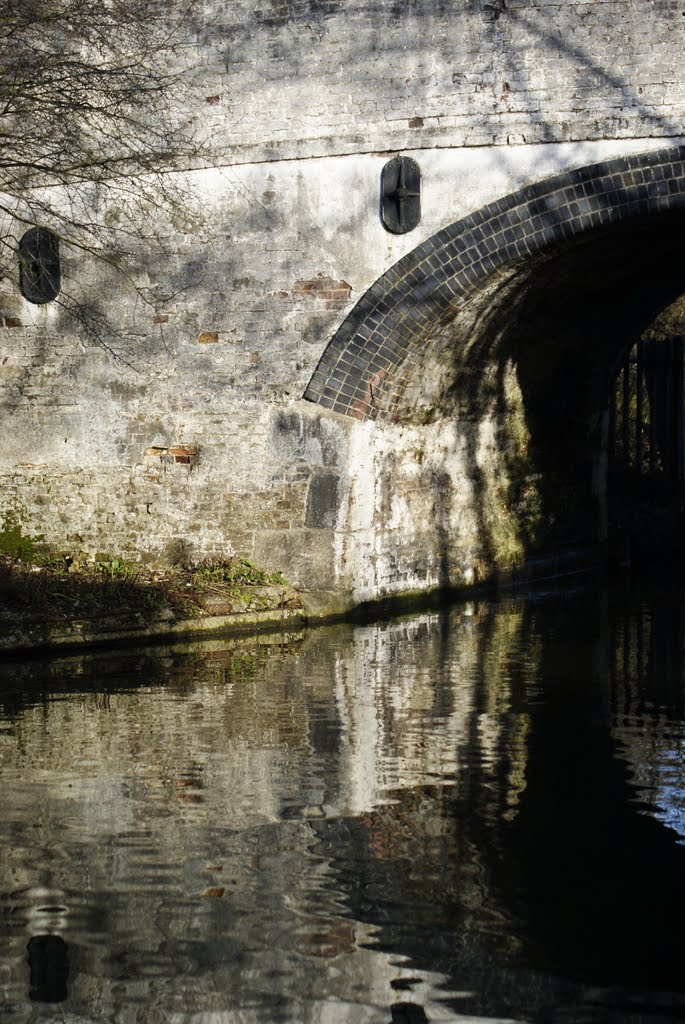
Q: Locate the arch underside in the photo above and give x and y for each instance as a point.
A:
(371, 366)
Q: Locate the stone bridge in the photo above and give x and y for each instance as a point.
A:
(370, 411)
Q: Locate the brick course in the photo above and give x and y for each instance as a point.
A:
(533, 122)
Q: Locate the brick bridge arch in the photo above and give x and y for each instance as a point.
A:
(367, 360)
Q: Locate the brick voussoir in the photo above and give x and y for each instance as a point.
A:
(401, 308)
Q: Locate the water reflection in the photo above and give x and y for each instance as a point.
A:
(49, 967)
(467, 815)
(407, 1013)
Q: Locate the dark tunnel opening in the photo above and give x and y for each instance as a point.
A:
(566, 322)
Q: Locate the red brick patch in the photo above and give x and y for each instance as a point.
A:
(333, 294)
(181, 454)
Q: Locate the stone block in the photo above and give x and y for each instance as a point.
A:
(324, 498)
(309, 556)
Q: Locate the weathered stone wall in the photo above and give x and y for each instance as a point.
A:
(303, 78)
(179, 431)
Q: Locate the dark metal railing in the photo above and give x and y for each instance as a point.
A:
(647, 421)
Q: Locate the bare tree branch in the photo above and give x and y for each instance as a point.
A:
(94, 100)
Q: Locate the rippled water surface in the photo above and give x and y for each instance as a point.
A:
(472, 815)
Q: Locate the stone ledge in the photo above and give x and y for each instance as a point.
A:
(317, 608)
(45, 636)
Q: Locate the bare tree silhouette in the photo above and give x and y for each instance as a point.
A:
(91, 125)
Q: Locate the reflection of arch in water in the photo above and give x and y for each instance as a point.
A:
(578, 885)
(645, 674)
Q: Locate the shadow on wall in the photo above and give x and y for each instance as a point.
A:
(501, 90)
(511, 359)
(518, 384)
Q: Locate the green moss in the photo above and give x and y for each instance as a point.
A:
(14, 542)
(512, 510)
(669, 323)
(115, 569)
(238, 573)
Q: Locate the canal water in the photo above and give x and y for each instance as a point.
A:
(471, 815)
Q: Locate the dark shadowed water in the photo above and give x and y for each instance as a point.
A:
(472, 815)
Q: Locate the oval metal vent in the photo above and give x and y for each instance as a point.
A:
(401, 195)
(39, 267)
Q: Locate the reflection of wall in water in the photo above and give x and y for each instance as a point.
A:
(408, 708)
(221, 765)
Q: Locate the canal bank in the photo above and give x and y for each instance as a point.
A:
(55, 606)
